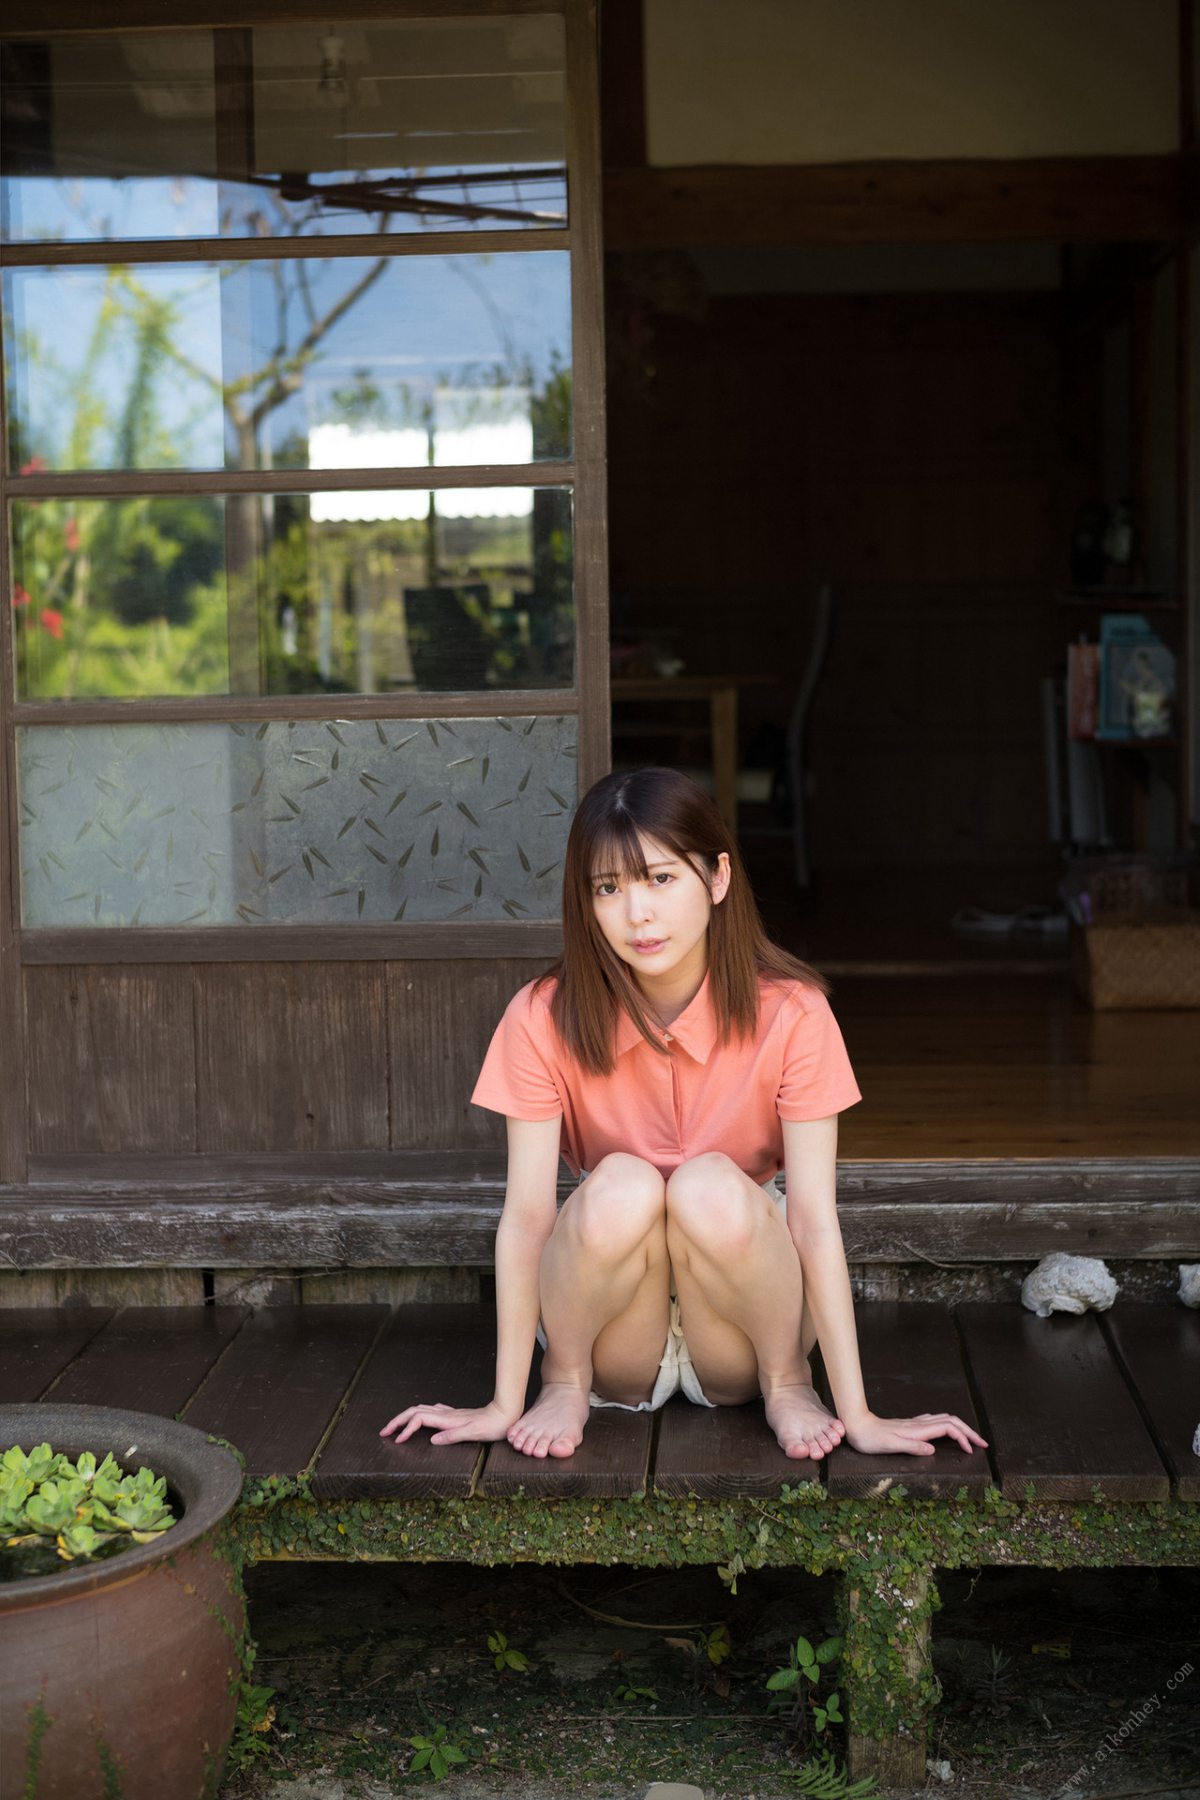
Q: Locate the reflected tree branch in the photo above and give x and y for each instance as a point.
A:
(286, 380)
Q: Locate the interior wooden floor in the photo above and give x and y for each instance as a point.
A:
(968, 1047)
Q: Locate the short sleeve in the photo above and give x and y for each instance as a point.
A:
(517, 1077)
(816, 1078)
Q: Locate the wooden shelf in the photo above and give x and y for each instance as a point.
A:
(1135, 743)
(1113, 600)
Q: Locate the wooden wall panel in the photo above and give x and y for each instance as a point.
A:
(111, 1059)
(291, 1056)
(83, 1288)
(911, 449)
(271, 1057)
(441, 1018)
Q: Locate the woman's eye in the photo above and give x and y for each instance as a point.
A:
(663, 878)
(605, 887)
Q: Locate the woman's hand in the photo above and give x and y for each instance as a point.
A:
(874, 1436)
(453, 1424)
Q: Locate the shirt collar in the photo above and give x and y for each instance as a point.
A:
(695, 1030)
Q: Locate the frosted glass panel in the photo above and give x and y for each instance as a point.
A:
(294, 822)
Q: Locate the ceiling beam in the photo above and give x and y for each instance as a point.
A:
(1081, 199)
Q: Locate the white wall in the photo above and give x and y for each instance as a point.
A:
(809, 81)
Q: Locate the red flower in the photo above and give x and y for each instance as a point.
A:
(20, 597)
(34, 466)
(52, 619)
(72, 535)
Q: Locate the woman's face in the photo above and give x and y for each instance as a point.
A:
(659, 926)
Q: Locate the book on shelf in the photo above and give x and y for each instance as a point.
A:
(1083, 690)
(1137, 681)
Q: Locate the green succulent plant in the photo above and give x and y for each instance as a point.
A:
(83, 1509)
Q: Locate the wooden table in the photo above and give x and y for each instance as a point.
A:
(721, 692)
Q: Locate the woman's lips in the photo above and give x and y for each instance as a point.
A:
(648, 947)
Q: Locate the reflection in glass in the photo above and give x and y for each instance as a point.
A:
(363, 592)
(285, 130)
(301, 822)
(296, 363)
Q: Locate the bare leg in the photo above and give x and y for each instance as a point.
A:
(741, 1301)
(604, 1301)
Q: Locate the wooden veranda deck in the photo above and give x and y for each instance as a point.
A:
(1066, 1404)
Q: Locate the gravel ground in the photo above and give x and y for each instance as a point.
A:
(1048, 1680)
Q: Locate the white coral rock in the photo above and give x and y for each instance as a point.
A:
(1070, 1284)
(1189, 1285)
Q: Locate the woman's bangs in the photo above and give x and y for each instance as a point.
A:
(618, 852)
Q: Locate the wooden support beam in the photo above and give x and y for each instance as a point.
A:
(623, 84)
(391, 1210)
(888, 1698)
(1062, 199)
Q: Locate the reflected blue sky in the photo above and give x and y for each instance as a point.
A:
(43, 207)
(427, 343)
(49, 209)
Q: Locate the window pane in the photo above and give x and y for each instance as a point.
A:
(284, 823)
(292, 364)
(363, 592)
(289, 130)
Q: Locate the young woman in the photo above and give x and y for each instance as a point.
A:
(676, 1059)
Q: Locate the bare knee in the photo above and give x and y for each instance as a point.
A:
(708, 1205)
(622, 1202)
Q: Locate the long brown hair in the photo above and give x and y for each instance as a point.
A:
(594, 985)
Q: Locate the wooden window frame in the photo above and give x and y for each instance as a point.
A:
(583, 474)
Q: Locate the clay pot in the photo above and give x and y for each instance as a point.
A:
(121, 1676)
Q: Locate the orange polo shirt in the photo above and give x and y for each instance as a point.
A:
(701, 1096)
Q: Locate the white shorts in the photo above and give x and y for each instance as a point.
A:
(676, 1373)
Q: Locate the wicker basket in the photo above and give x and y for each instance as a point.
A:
(1135, 929)
(1149, 959)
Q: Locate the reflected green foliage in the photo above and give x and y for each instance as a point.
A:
(120, 598)
(550, 408)
(281, 594)
(132, 598)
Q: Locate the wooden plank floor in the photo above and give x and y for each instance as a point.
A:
(1013, 1066)
(1161, 1359)
(282, 1382)
(1063, 1418)
(1064, 1403)
(912, 1362)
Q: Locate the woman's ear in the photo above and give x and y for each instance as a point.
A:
(719, 885)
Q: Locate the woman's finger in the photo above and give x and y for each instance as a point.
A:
(952, 1422)
(401, 1418)
(953, 1428)
(392, 1423)
(412, 1419)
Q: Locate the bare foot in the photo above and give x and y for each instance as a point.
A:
(554, 1424)
(803, 1425)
